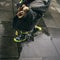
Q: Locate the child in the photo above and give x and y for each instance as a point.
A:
(28, 14)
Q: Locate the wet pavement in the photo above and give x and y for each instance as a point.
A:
(43, 48)
(8, 49)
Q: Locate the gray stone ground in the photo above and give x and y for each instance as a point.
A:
(43, 48)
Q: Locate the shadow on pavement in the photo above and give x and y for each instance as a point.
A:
(8, 49)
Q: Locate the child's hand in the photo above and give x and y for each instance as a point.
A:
(23, 11)
(25, 8)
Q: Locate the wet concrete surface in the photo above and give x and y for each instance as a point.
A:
(43, 48)
(8, 49)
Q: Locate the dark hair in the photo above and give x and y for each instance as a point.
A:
(27, 1)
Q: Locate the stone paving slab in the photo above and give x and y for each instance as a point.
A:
(56, 17)
(8, 59)
(52, 58)
(6, 16)
(56, 42)
(55, 32)
(52, 18)
(6, 4)
(48, 19)
(8, 48)
(41, 47)
(30, 59)
(1, 29)
(6, 30)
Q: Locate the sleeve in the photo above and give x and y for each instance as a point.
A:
(39, 5)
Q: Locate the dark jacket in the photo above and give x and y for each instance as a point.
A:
(27, 23)
(24, 24)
